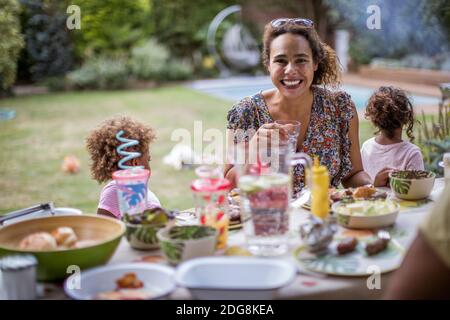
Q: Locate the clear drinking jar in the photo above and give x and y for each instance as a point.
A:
(210, 192)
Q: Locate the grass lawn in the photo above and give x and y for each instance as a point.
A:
(49, 127)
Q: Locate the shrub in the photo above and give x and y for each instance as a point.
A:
(100, 73)
(434, 139)
(11, 42)
(178, 70)
(55, 84)
(148, 61)
(151, 61)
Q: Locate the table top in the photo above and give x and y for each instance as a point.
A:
(307, 285)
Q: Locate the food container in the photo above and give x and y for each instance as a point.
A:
(157, 279)
(180, 243)
(18, 277)
(132, 189)
(141, 228)
(210, 192)
(412, 184)
(103, 233)
(446, 165)
(351, 215)
(236, 278)
(37, 211)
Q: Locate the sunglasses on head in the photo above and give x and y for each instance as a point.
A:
(297, 21)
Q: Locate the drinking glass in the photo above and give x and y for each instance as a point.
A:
(292, 128)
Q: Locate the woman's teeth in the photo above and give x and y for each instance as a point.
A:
(291, 83)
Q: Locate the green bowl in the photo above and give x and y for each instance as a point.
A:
(59, 264)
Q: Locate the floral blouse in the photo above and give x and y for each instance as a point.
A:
(326, 136)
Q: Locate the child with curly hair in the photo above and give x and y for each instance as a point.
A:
(102, 147)
(390, 110)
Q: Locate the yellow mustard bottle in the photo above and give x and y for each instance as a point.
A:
(320, 206)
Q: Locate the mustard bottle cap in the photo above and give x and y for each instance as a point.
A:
(317, 168)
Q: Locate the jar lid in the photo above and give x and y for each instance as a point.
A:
(134, 173)
(17, 262)
(210, 180)
(210, 185)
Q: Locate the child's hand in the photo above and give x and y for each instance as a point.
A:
(382, 177)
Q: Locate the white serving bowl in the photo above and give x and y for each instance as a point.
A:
(234, 278)
(366, 222)
(179, 250)
(156, 278)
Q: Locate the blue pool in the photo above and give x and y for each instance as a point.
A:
(234, 89)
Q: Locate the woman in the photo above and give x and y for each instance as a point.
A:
(298, 62)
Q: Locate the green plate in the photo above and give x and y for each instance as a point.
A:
(357, 263)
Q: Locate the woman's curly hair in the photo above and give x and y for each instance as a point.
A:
(328, 68)
(101, 144)
(390, 108)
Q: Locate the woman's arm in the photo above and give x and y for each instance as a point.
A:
(230, 174)
(357, 177)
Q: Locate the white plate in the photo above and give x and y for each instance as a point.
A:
(45, 213)
(237, 278)
(85, 286)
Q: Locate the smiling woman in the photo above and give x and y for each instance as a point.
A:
(300, 67)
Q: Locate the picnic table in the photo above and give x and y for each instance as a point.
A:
(307, 284)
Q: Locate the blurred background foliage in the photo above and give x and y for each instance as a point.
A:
(164, 40)
(11, 43)
(111, 26)
(49, 49)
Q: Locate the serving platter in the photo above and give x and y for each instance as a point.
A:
(354, 264)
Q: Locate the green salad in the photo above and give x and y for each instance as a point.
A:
(366, 207)
(190, 232)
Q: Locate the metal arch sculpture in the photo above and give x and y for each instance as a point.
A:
(240, 48)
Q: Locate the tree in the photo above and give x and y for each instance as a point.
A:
(11, 43)
(111, 26)
(49, 50)
(182, 25)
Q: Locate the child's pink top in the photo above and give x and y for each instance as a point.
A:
(109, 200)
(402, 156)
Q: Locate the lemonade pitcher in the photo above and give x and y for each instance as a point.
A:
(266, 188)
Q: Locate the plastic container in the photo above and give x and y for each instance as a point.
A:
(211, 200)
(132, 190)
(18, 277)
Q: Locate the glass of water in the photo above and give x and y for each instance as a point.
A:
(292, 128)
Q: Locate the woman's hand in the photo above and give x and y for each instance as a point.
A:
(382, 177)
(268, 134)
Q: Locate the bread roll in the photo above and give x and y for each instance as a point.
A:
(65, 236)
(39, 241)
(364, 192)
